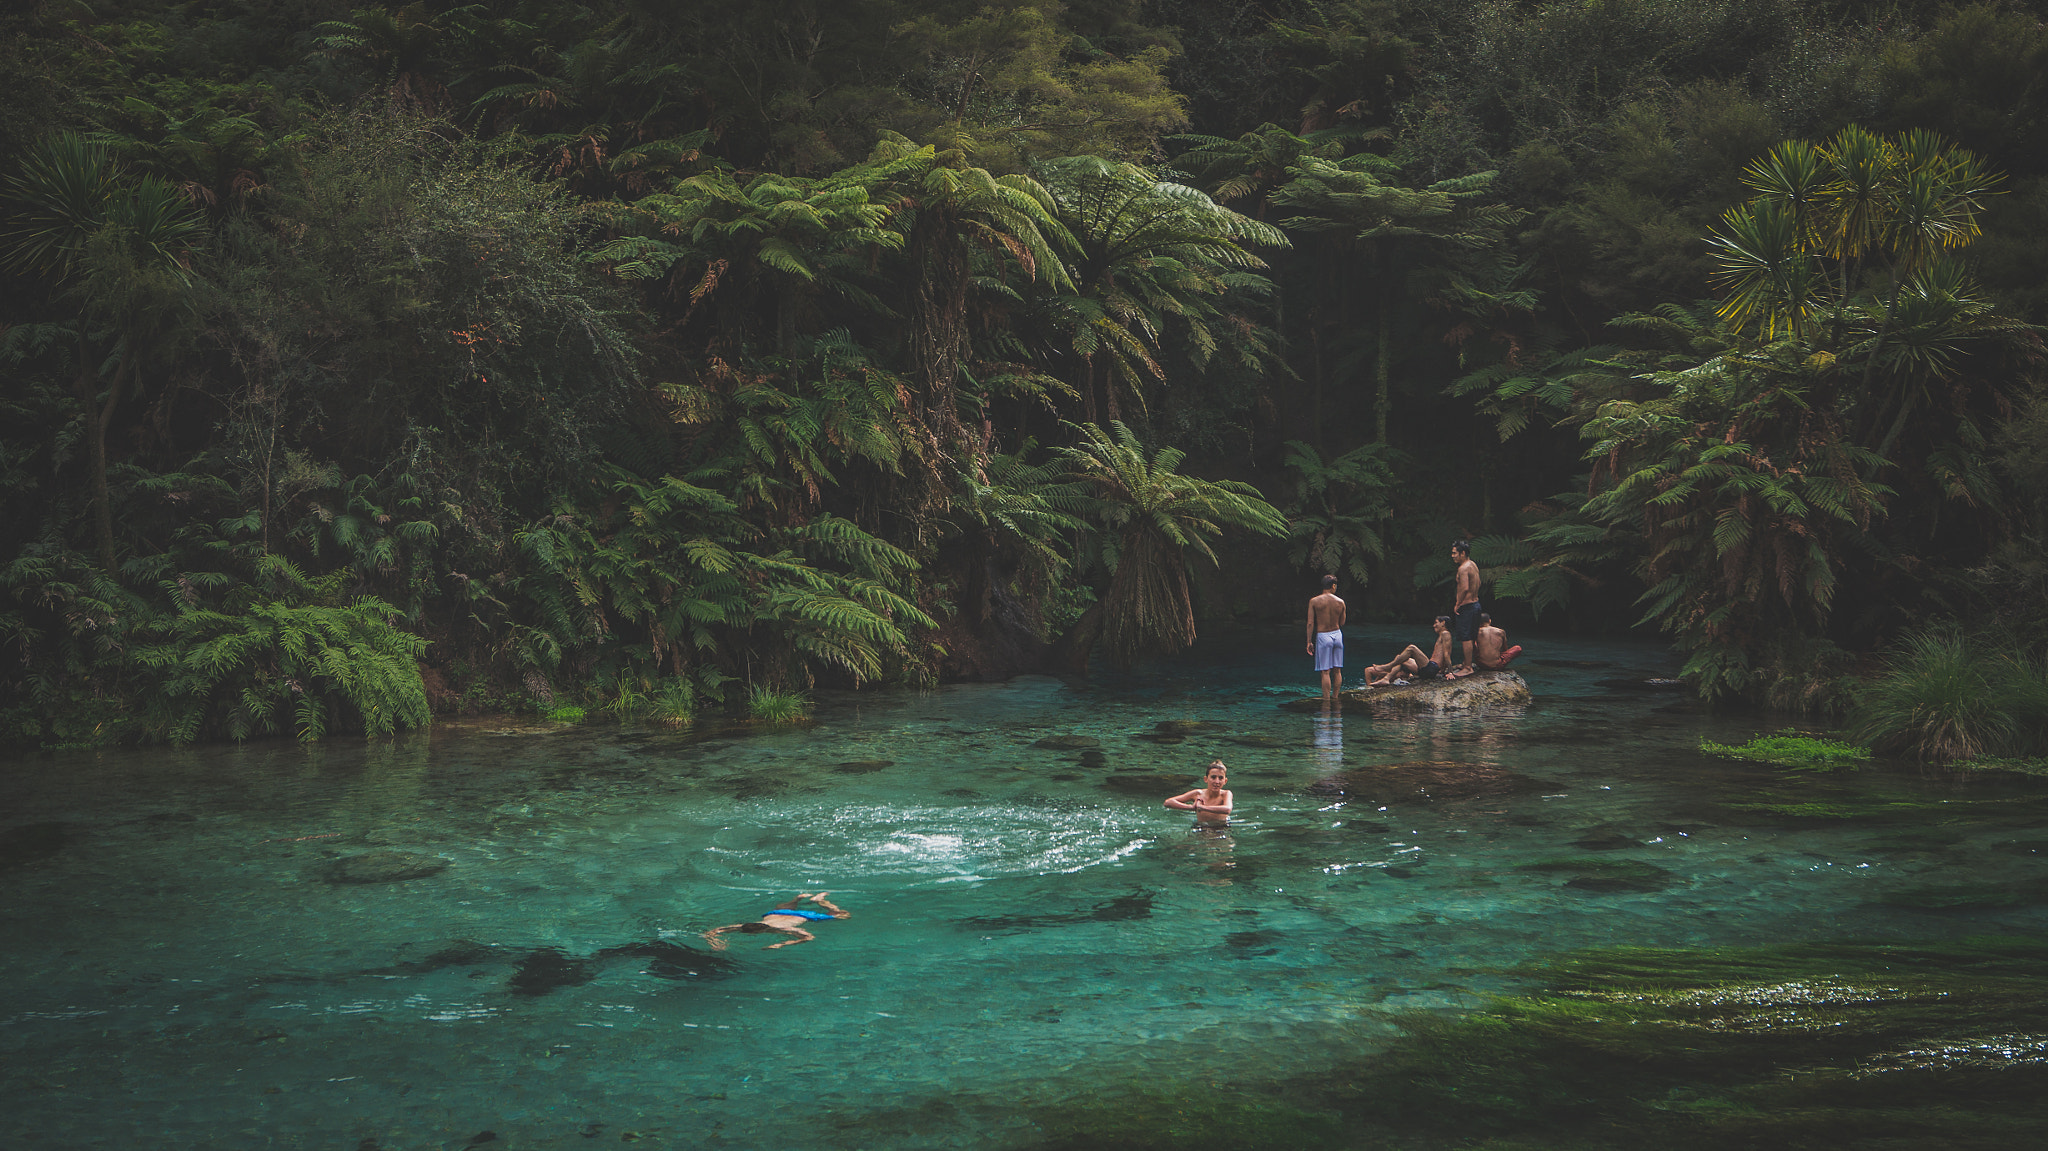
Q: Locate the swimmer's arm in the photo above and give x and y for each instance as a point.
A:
(834, 908)
(1181, 802)
(1216, 808)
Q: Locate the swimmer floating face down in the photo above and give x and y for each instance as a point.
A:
(786, 919)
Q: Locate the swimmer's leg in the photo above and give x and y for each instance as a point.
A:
(802, 936)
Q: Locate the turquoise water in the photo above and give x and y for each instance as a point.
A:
(1030, 928)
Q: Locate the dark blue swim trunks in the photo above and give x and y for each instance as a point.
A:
(1465, 627)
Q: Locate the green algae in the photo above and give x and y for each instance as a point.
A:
(1809, 1046)
(1794, 749)
(2020, 765)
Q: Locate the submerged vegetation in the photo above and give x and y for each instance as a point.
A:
(1803, 1046)
(588, 355)
(1793, 749)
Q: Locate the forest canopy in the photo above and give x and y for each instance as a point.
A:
(367, 362)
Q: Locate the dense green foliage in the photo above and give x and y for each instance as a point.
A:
(643, 358)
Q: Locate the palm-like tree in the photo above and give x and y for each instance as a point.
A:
(955, 207)
(1822, 211)
(1152, 518)
(789, 234)
(1252, 165)
(1822, 214)
(1152, 254)
(1340, 508)
(119, 249)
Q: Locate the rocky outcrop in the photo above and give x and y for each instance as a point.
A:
(1484, 689)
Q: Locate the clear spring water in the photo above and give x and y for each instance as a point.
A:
(1030, 927)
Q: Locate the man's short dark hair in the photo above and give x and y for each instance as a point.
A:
(1329, 582)
(1444, 620)
(1485, 620)
(1462, 547)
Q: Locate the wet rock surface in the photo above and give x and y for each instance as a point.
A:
(1478, 690)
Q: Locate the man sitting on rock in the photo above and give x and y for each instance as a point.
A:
(1491, 656)
(1411, 663)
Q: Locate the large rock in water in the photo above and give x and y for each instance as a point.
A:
(1478, 690)
(384, 867)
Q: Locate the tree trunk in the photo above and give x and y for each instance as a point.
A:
(97, 416)
(938, 323)
(1383, 396)
(1070, 652)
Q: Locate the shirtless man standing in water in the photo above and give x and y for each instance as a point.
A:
(1465, 609)
(1211, 804)
(1326, 637)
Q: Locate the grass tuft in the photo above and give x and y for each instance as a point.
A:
(674, 703)
(1946, 696)
(766, 705)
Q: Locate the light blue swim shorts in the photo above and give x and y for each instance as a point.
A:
(1329, 649)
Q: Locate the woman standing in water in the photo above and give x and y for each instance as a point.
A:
(1211, 803)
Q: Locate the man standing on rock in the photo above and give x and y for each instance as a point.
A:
(1465, 609)
(1326, 637)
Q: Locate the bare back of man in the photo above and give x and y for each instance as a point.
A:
(1326, 637)
(1494, 654)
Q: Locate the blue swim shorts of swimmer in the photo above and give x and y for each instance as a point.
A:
(1329, 649)
(801, 913)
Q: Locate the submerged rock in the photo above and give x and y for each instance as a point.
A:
(1185, 726)
(1068, 742)
(31, 841)
(1121, 909)
(1604, 838)
(1424, 782)
(862, 766)
(1606, 875)
(674, 961)
(384, 867)
(545, 970)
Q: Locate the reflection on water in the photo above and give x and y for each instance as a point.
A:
(1028, 922)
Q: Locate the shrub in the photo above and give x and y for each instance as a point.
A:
(674, 703)
(1947, 697)
(765, 705)
(566, 714)
(241, 674)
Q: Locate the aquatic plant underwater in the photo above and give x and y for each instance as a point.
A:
(1802, 1046)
